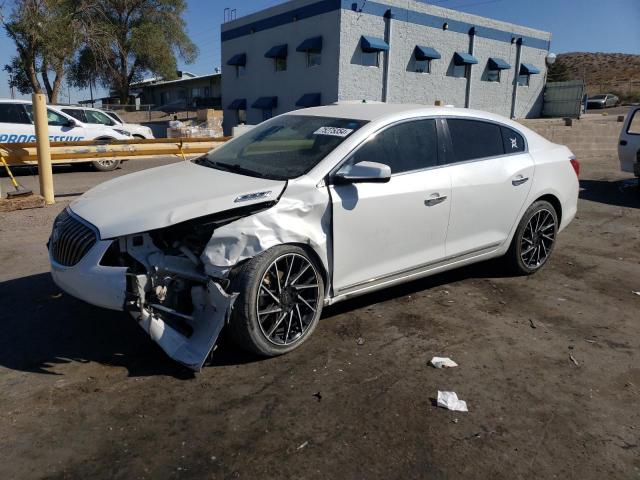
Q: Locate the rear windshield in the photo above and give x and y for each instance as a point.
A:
(282, 148)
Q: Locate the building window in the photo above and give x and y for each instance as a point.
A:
(460, 71)
(242, 116)
(371, 59)
(267, 113)
(314, 59)
(241, 70)
(523, 80)
(281, 64)
(423, 66)
(493, 75)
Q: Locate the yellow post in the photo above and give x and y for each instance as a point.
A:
(45, 173)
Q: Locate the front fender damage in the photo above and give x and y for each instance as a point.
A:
(178, 288)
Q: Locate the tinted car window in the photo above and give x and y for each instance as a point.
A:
(98, 118)
(53, 118)
(474, 139)
(77, 114)
(12, 113)
(512, 140)
(404, 147)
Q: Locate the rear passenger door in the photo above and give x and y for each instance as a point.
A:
(491, 175)
(15, 125)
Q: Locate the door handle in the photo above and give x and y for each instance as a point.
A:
(623, 142)
(519, 180)
(435, 199)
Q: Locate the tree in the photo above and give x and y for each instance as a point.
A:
(46, 33)
(558, 72)
(131, 38)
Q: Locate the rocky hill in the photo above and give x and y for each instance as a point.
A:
(603, 72)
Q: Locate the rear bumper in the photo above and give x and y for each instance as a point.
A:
(89, 281)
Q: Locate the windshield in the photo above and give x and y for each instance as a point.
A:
(115, 117)
(598, 97)
(282, 148)
(98, 118)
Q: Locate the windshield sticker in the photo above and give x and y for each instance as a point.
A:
(514, 143)
(333, 131)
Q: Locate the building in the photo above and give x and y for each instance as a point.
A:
(188, 90)
(308, 52)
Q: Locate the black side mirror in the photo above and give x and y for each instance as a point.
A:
(363, 172)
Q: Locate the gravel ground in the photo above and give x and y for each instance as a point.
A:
(549, 366)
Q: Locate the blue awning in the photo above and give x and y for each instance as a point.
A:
(426, 53)
(528, 69)
(265, 103)
(461, 58)
(279, 51)
(309, 100)
(313, 44)
(373, 44)
(238, 104)
(496, 63)
(238, 60)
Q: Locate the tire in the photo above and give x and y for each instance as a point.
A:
(105, 165)
(537, 230)
(271, 324)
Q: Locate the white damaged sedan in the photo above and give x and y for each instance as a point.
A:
(307, 209)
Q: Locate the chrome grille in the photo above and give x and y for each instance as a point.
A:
(70, 239)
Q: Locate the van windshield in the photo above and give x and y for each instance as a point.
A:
(282, 148)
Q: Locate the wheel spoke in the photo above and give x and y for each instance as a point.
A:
(275, 265)
(306, 303)
(300, 319)
(297, 277)
(271, 310)
(301, 287)
(277, 324)
(275, 299)
(286, 280)
(286, 336)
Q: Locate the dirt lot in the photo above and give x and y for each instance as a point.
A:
(85, 394)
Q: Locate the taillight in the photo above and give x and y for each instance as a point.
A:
(576, 166)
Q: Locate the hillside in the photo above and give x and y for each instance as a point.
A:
(603, 72)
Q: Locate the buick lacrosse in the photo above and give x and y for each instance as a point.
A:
(307, 209)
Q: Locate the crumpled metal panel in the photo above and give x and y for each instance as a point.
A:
(302, 215)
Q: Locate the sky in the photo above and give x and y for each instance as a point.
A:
(575, 25)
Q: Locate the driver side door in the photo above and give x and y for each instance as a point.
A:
(386, 229)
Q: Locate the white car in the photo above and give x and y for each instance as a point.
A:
(16, 126)
(95, 116)
(307, 209)
(629, 145)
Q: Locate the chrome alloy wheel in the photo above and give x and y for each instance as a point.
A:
(106, 163)
(538, 238)
(288, 299)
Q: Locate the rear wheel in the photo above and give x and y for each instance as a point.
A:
(105, 165)
(280, 301)
(534, 239)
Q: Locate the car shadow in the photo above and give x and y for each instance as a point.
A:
(32, 170)
(621, 193)
(44, 328)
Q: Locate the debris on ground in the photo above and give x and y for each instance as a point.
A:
(303, 445)
(318, 396)
(533, 325)
(636, 293)
(450, 401)
(574, 360)
(360, 341)
(443, 362)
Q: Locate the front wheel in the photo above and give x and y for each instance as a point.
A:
(281, 294)
(105, 165)
(534, 239)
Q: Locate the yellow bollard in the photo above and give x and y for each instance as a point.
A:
(45, 173)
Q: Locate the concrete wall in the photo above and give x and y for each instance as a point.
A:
(261, 79)
(407, 86)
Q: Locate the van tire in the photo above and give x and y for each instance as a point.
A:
(105, 165)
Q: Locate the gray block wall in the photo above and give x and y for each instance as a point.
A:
(342, 77)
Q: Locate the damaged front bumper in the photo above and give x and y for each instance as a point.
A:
(144, 289)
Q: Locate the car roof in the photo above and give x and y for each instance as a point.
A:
(11, 100)
(371, 111)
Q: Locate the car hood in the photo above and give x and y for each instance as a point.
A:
(164, 196)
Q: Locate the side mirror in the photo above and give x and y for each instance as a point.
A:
(363, 172)
(71, 123)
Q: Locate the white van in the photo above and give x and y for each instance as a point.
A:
(16, 126)
(629, 145)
